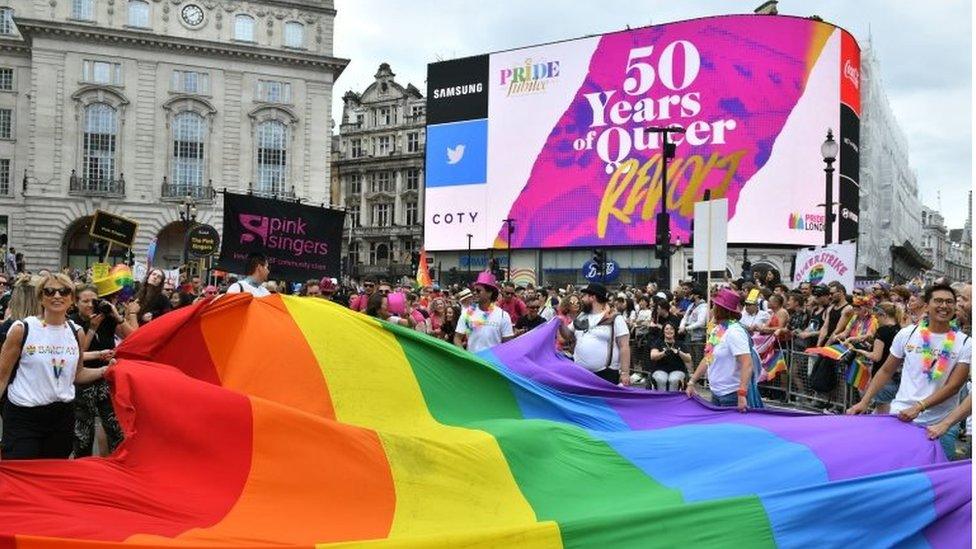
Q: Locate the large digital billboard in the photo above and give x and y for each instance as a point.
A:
(554, 136)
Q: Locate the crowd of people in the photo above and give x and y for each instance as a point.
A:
(60, 331)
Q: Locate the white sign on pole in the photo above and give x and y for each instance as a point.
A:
(826, 264)
(711, 235)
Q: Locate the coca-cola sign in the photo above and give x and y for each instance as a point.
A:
(852, 73)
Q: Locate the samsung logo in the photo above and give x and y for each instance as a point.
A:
(457, 91)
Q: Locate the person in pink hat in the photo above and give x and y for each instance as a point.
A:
(728, 356)
(483, 324)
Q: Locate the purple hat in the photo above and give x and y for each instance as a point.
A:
(728, 300)
(485, 278)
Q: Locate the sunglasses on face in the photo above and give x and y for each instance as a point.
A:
(369, 285)
(63, 292)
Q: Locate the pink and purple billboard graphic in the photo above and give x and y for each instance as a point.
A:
(567, 155)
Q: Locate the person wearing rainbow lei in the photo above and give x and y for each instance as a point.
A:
(483, 324)
(728, 359)
(934, 357)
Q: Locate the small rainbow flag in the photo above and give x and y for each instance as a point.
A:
(859, 374)
(423, 273)
(774, 365)
(833, 352)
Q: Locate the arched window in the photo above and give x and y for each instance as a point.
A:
(380, 253)
(189, 129)
(138, 13)
(272, 156)
(244, 28)
(294, 34)
(99, 144)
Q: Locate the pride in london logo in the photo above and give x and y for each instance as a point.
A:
(805, 222)
(796, 221)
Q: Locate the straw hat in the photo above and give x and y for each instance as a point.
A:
(118, 278)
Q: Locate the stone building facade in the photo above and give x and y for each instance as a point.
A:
(935, 242)
(129, 106)
(379, 163)
(890, 220)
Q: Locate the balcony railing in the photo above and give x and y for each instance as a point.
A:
(179, 191)
(90, 186)
(277, 194)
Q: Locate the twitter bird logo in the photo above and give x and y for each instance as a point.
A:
(455, 155)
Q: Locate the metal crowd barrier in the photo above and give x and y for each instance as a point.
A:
(794, 389)
(791, 389)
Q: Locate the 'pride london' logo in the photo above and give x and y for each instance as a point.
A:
(805, 222)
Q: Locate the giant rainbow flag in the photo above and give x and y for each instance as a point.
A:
(292, 421)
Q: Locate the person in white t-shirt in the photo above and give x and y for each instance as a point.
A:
(754, 317)
(934, 358)
(727, 360)
(483, 324)
(257, 274)
(602, 337)
(39, 413)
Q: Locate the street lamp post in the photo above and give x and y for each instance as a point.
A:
(663, 223)
(829, 152)
(188, 215)
(469, 255)
(511, 229)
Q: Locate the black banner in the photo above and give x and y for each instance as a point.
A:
(850, 164)
(457, 90)
(301, 242)
(114, 228)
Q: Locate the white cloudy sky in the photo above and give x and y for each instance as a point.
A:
(925, 51)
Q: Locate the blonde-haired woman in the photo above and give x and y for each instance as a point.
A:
(23, 301)
(39, 415)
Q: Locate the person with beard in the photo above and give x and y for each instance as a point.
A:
(152, 302)
(934, 358)
(836, 316)
(601, 336)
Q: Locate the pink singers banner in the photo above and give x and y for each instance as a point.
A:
(554, 136)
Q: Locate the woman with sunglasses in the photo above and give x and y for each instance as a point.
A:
(39, 414)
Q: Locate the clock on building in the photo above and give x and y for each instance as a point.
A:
(192, 15)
